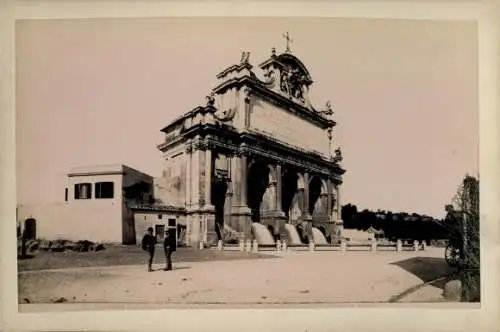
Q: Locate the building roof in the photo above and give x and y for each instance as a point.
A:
(157, 208)
(113, 169)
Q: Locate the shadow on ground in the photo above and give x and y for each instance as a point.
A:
(128, 255)
(427, 269)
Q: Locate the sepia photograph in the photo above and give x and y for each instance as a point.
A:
(247, 163)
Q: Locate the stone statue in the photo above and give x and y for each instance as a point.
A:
(245, 56)
(329, 109)
(292, 83)
(211, 99)
(338, 154)
(285, 82)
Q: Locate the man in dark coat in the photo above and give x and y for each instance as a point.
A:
(170, 246)
(148, 244)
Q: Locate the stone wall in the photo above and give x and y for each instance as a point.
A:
(145, 219)
(97, 221)
(287, 127)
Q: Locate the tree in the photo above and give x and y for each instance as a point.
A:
(463, 221)
(139, 192)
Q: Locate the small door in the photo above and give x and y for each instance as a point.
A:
(172, 226)
(30, 229)
(160, 233)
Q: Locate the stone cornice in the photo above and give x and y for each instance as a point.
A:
(269, 143)
(259, 88)
(234, 68)
(254, 143)
(96, 173)
(158, 208)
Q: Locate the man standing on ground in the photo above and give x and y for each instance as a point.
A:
(170, 245)
(148, 244)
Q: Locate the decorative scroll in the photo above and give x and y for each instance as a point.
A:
(225, 113)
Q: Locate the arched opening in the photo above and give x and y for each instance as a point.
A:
(314, 192)
(289, 189)
(271, 231)
(258, 180)
(29, 232)
(218, 197)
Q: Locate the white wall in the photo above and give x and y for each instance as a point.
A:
(98, 221)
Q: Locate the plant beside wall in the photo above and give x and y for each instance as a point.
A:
(462, 221)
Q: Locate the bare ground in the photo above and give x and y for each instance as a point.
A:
(297, 278)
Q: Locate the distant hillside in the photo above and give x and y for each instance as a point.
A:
(396, 225)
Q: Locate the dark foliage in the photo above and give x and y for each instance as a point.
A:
(404, 226)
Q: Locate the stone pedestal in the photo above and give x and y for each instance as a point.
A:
(277, 220)
(241, 221)
(202, 226)
(307, 227)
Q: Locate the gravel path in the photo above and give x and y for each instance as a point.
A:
(296, 278)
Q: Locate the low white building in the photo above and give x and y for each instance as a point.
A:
(111, 204)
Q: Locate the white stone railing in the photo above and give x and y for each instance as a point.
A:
(281, 246)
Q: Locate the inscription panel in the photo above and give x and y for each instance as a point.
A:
(287, 128)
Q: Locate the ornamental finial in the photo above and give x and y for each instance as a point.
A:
(288, 42)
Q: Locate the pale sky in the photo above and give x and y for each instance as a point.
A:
(405, 95)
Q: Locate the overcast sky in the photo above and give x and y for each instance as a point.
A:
(99, 91)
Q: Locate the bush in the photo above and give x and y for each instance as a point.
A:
(462, 223)
(63, 245)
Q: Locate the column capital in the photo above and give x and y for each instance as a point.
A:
(280, 162)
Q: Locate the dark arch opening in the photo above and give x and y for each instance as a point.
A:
(29, 231)
(289, 188)
(258, 180)
(314, 192)
(218, 197)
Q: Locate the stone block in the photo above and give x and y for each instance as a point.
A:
(399, 245)
(311, 246)
(453, 291)
(343, 246)
(255, 246)
(248, 246)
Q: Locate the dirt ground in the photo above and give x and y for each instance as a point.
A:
(290, 278)
(124, 255)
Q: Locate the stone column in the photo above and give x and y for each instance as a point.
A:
(339, 205)
(194, 178)
(307, 218)
(201, 214)
(208, 179)
(194, 226)
(209, 233)
(329, 202)
(228, 203)
(188, 175)
(240, 213)
(279, 188)
(305, 211)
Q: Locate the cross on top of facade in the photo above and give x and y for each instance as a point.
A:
(288, 41)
